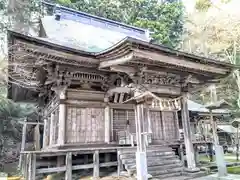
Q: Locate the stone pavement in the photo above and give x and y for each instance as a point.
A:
(215, 177)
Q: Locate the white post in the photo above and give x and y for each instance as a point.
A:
(107, 122)
(51, 129)
(45, 142)
(191, 164)
(141, 156)
(62, 118)
(222, 170)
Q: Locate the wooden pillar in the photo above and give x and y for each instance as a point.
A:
(96, 165)
(62, 118)
(60, 161)
(214, 129)
(139, 128)
(45, 134)
(51, 127)
(30, 173)
(120, 165)
(25, 166)
(85, 159)
(68, 173)
(24, 133)
(180, 152)
(34, 161)
(187, 133)
(196, 151)
(141, 156)
(107, 122)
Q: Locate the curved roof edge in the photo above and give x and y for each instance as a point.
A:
(130, 42)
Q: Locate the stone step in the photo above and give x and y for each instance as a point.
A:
(170, 175)
(165, 167)
(149, 154)
(133, 150)
(156, 165)
(151, 161)
(176, 178)
(155, 173)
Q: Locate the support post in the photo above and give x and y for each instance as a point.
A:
(141, 157)
(120, 165)
(60, 161)
(68, 173)
(219, 154)
(237, 153)
(24, 133)
(196, 151)
(34, 161)
(45, 133)
(96, 165)
(25, 166)
(62, 116)
(51, 140)
(85, 159)
(191, 164)
(181, 154)
(107, 121)
(30, 177)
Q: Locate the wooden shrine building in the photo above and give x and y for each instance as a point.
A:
(82, 82)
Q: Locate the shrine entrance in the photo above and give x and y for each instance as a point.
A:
(157, 129)
(160, 122)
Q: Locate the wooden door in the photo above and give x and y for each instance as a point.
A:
(85, 125)
(157, 125)
(121, 119)
(170, 122)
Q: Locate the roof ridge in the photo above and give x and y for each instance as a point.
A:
(105, 20)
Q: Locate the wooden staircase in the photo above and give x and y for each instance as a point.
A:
(161, 160)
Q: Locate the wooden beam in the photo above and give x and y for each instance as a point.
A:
(31, 123)
(117, 61)
(79, 103)
(75, 167)
(152, 56)
(96, 165)
(68, 173)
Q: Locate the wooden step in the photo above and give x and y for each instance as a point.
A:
(170, 175)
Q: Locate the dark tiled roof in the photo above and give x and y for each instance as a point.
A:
(87, 32)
